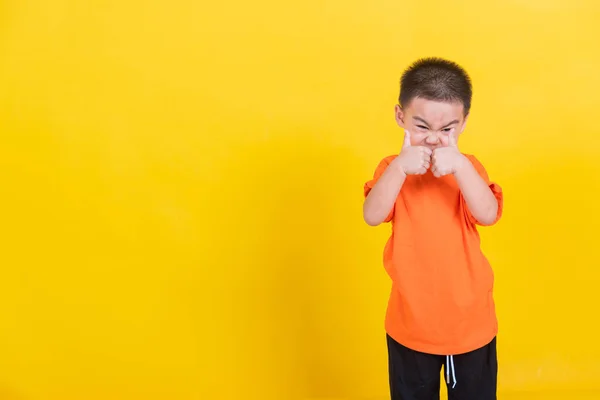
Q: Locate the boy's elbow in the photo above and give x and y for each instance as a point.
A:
(371, 221)
(486, 221)
(490, 217)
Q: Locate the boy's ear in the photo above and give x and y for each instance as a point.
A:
(399, 113)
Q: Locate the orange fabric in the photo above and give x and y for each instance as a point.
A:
(441, 300)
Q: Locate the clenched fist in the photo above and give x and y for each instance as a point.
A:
(447, 160)
(414, 160)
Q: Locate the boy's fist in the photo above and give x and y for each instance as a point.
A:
(414, 160)
(447, 160)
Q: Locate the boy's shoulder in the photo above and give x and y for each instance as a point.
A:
(384, 163)
(471, 157)
(475, 161)
(389, 159)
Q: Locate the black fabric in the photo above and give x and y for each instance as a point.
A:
(416, 376)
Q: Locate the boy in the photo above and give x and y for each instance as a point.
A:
(441, 310)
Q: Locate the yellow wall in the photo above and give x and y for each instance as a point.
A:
(181, 191)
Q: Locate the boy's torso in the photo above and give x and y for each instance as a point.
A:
(441, 301)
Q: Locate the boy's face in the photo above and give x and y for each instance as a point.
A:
(431, 122)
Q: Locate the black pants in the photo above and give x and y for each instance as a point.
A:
(416, 376)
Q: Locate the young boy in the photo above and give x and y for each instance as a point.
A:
(441, 309)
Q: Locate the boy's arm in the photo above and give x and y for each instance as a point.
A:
(481, 201)
(382, 194)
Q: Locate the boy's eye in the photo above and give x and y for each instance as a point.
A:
(422, 127)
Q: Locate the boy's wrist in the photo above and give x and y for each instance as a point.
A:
(462, 164)
(396, 164)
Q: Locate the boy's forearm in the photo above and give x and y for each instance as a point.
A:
(477, 194)
(382, 197)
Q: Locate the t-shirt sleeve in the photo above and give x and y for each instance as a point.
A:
(378, 172)
(495, 188)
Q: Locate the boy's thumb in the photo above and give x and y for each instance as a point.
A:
(452, 139)
(406, 143)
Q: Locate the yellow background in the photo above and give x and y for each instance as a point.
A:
(181, 191)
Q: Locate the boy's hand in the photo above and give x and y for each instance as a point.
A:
(414, 160)
(447, 160)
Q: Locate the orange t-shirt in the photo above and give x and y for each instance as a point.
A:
(441, 300)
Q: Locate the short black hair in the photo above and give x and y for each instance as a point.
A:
(436, 79)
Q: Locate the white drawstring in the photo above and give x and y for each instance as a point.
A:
(450, 367)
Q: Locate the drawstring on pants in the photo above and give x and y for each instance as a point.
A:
(450, 369)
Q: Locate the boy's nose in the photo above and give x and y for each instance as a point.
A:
(432, 138)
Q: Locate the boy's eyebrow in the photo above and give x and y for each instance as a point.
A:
(444, 127)
(422, 120)
(451, 123)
